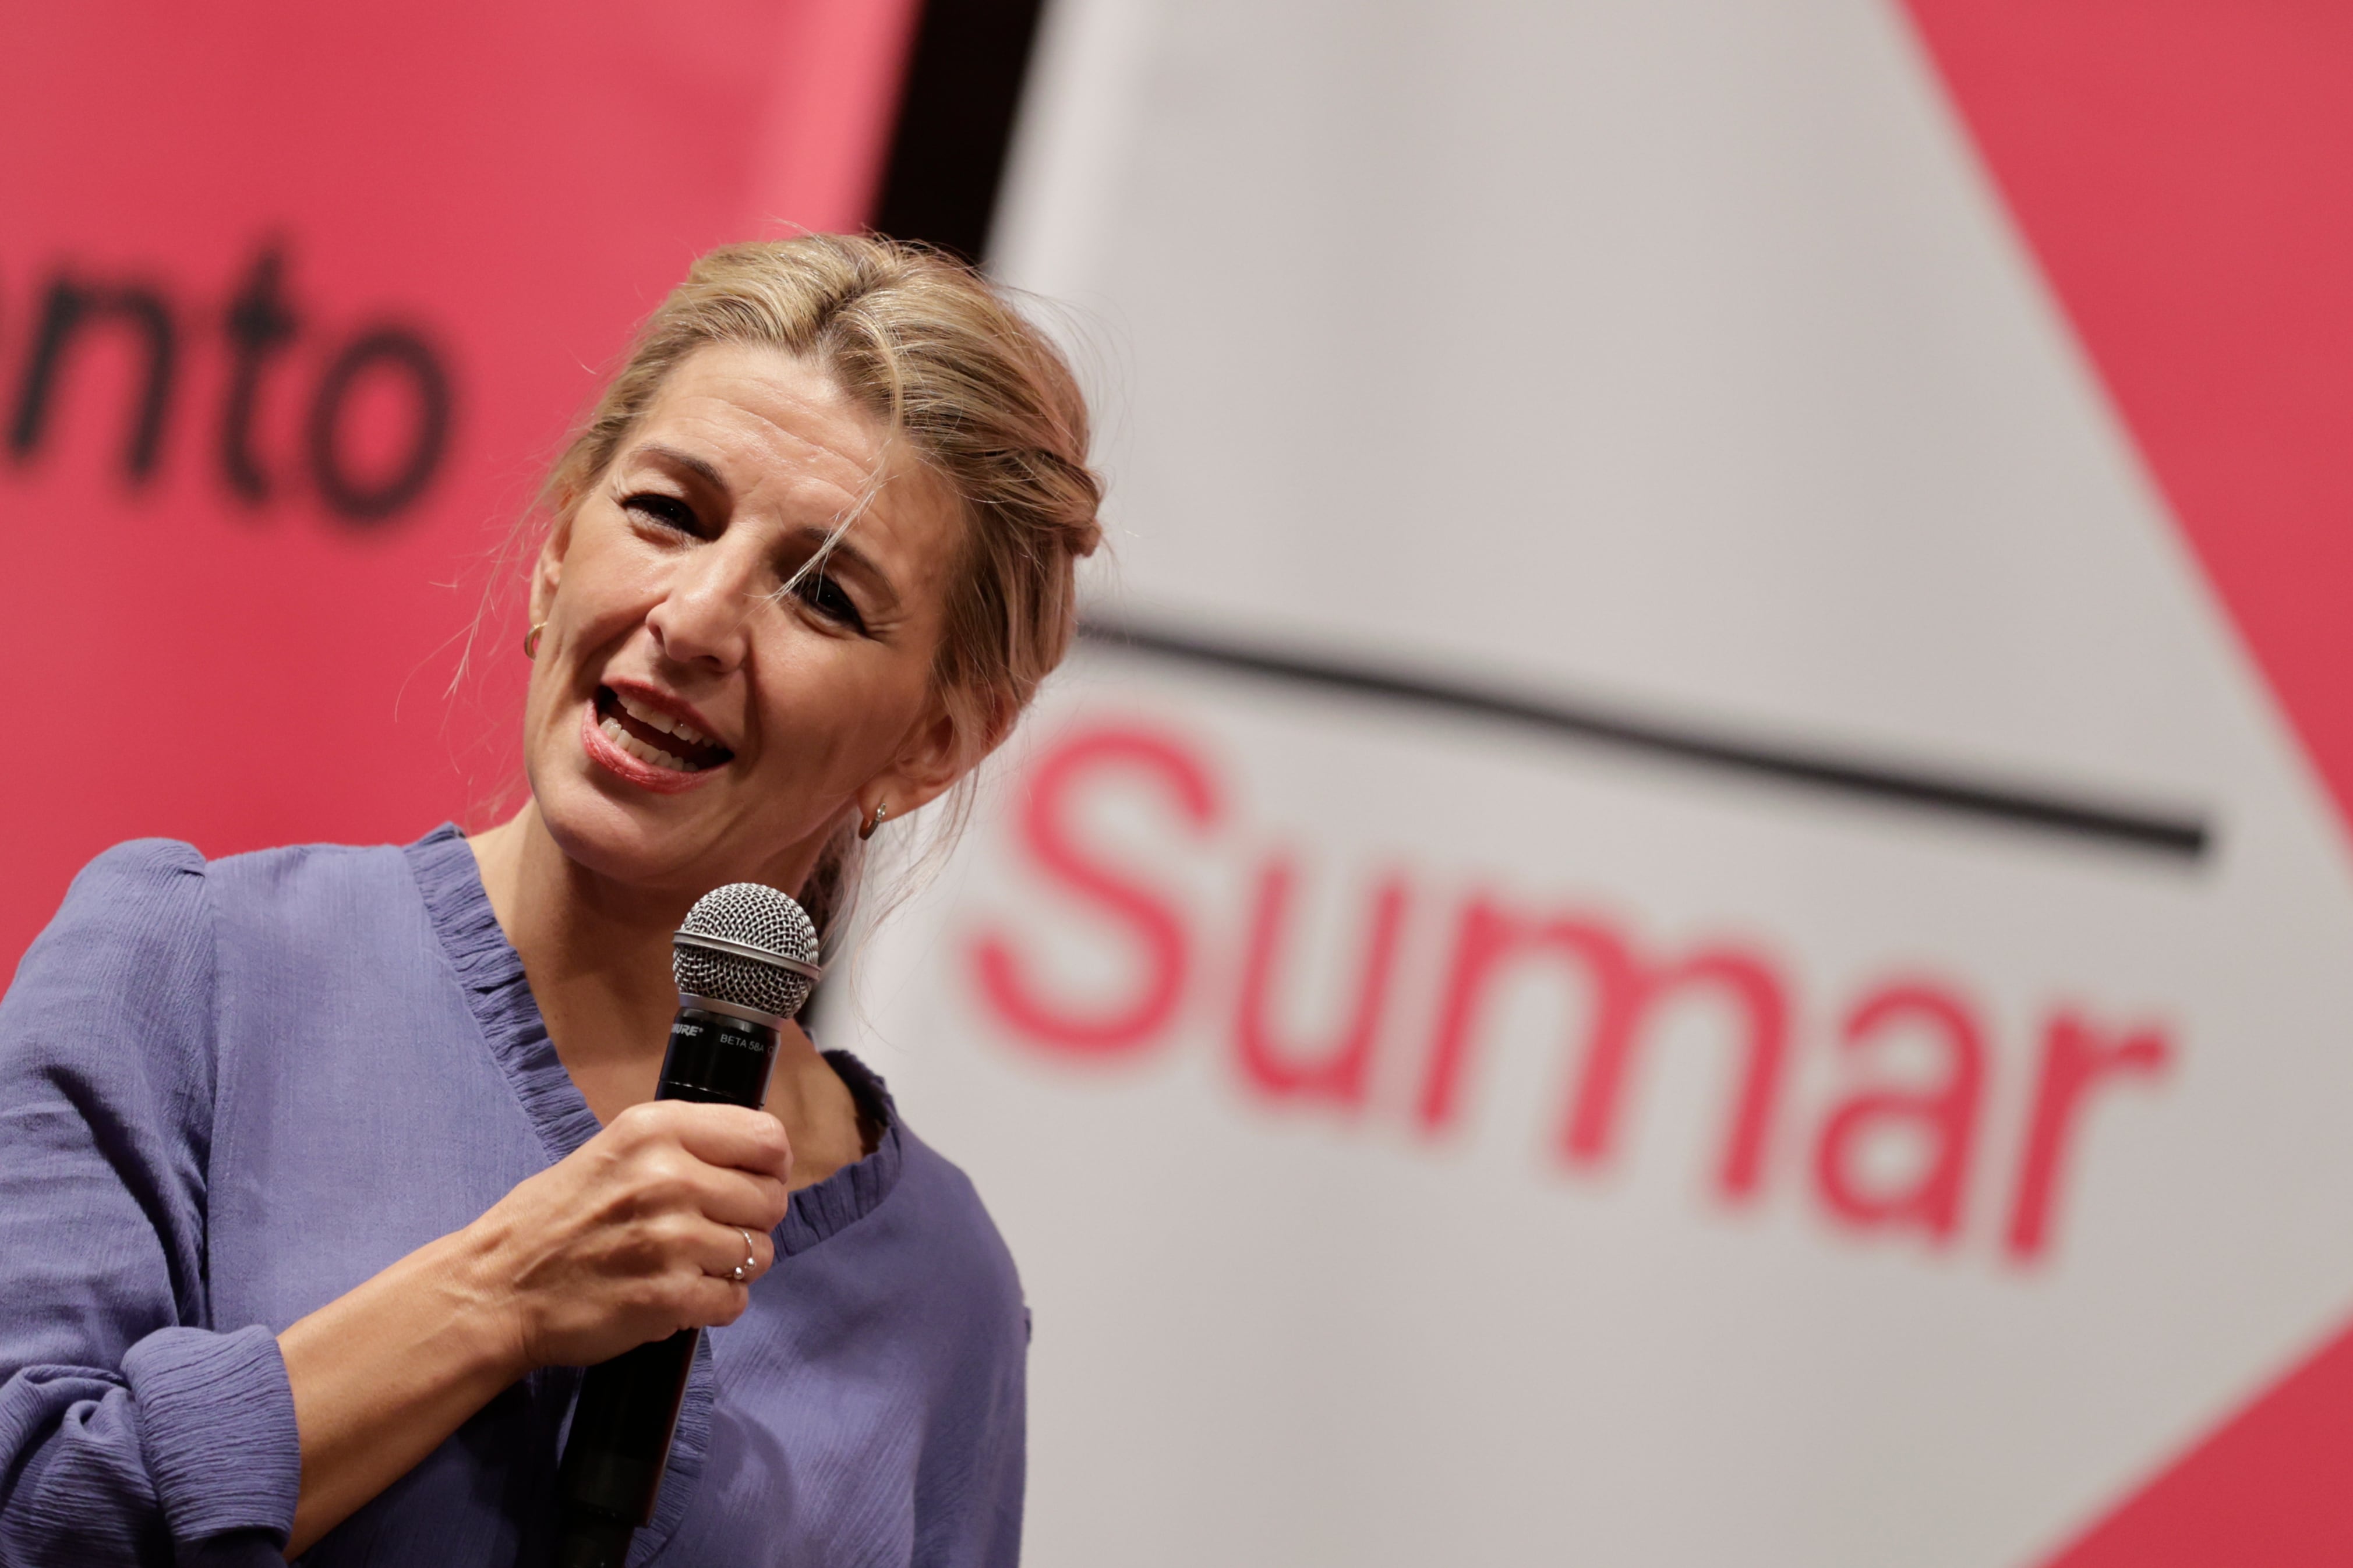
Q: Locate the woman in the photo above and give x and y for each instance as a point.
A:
(322, 1169)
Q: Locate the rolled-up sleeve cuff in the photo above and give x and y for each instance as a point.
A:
(216, 1425)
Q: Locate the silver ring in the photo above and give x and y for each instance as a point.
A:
(741, 1271)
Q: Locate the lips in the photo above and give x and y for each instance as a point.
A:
(654, 736)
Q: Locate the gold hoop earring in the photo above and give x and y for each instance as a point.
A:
(880, 812)
(531, 640)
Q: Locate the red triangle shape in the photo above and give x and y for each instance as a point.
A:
(2269, 1488)
(2183, 169)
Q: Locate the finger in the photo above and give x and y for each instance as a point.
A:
(734, 1136)
(735, 1253)
(738, 1198)
(712, 1304)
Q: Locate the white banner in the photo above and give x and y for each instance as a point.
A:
(1664, 925)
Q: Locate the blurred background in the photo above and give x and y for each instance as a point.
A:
(1689, 900)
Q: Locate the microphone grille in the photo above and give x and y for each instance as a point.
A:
(748, 915)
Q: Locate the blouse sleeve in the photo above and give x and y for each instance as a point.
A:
(132, 1429)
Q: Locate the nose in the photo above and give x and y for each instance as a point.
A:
(704, 618)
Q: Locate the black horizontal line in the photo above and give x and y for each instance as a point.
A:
(2186, 836)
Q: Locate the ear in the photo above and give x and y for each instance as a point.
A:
(943, 748)
(548, 570)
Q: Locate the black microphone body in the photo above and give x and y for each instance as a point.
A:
(745, 960)
(628, 1410)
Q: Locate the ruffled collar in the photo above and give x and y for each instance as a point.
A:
(490, 973)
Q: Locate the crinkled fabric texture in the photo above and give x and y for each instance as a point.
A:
(230, 1091)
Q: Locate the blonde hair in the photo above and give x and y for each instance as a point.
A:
(975, 392)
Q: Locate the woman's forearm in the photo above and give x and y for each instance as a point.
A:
(382, 1374)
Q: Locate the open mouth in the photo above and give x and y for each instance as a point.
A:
(655, 738)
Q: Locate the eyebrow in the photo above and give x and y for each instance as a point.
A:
(843, 548)
(671, 458)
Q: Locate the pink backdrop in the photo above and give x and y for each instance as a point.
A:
(512, 185)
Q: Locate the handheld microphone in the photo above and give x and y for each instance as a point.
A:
(745, 959)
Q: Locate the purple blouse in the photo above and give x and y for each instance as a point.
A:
(230, 1091)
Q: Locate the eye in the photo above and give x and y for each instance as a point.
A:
(666, 509)
(829, 599)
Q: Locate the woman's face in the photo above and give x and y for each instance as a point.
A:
(690, 721)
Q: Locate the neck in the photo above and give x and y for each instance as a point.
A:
(593, 950)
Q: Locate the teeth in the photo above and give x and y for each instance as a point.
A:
(643, 714)
(613, 730)
(655, 755)
(663, 721)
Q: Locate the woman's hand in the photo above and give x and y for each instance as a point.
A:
(630, 1238)
(634, 1236)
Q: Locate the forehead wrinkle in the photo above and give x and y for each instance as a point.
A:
(788, 467)
(789, 398)
(742, 437)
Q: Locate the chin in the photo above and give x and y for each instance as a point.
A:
(620, 843)
(636, 823)
(623, 830)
